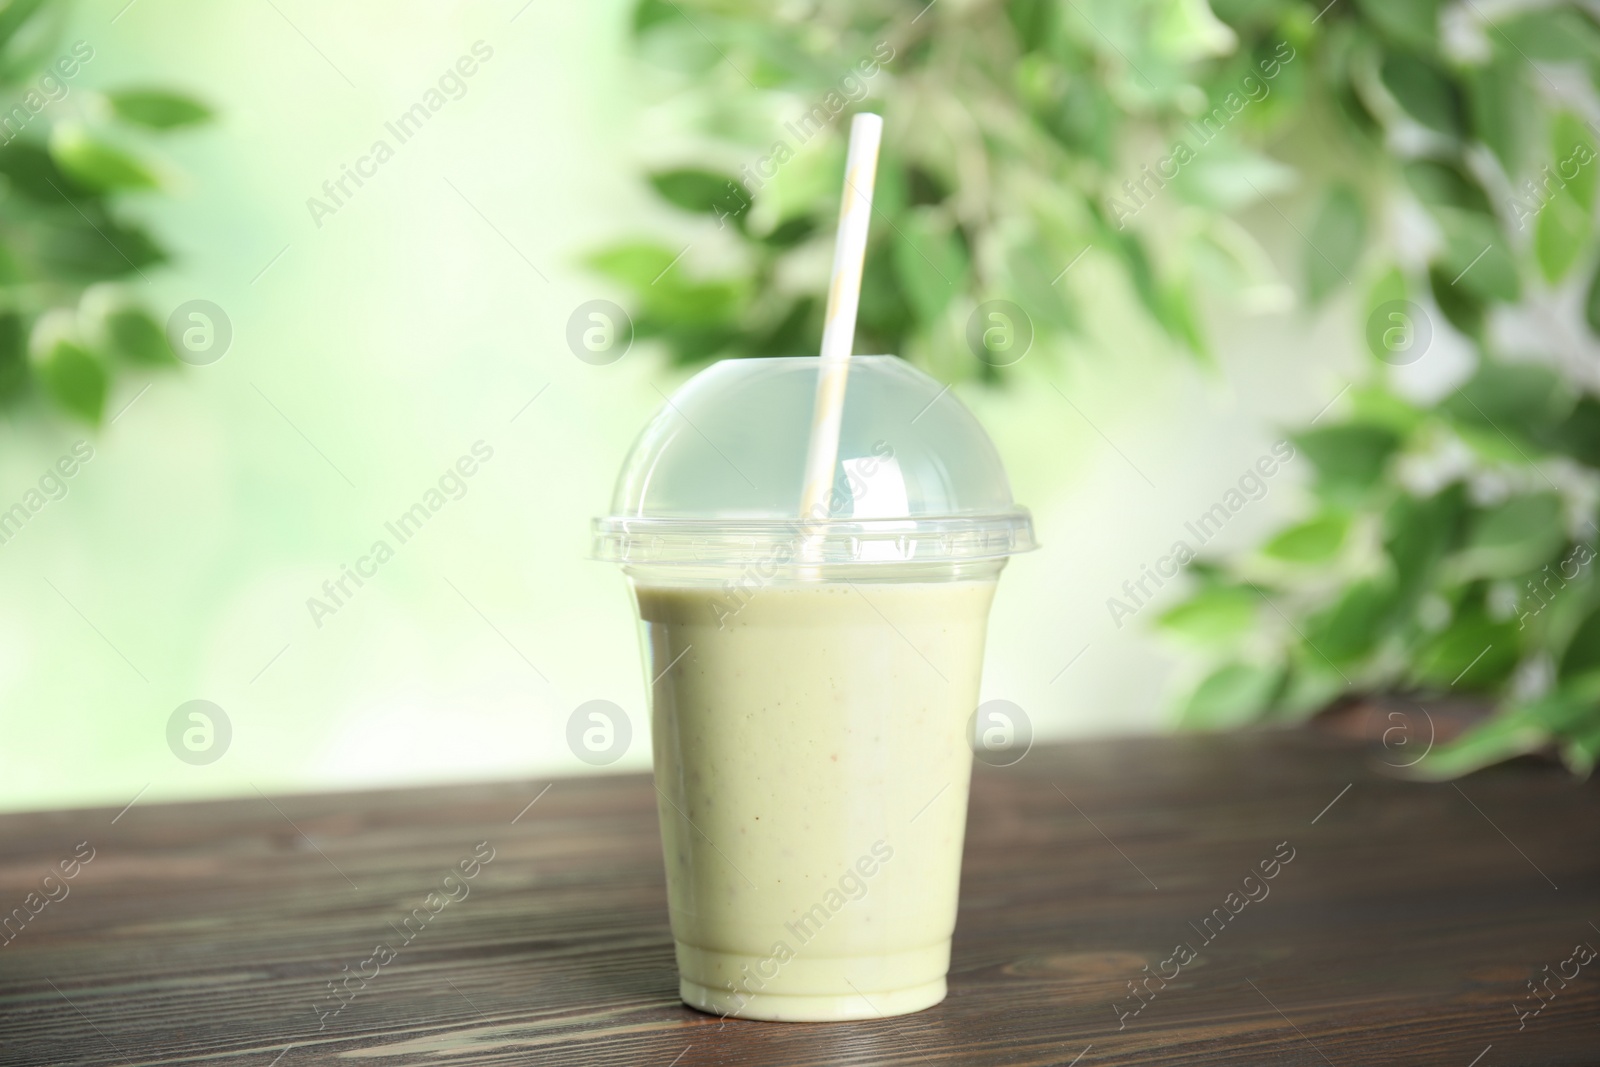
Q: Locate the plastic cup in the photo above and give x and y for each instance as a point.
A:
(812, 679)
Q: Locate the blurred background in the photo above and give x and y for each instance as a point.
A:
(272, 268)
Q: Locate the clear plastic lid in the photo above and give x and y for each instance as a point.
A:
(717, 475)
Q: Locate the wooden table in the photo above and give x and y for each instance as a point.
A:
(1404, 929)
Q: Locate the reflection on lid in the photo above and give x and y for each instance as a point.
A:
(878, 491)
(877, 488)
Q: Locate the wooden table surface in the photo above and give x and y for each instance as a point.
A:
(1405, 929)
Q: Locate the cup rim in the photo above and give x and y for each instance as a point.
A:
(868, 542)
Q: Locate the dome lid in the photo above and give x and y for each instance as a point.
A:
(717, 474)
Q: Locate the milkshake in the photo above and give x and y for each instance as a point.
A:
(814, 796)
(812, 679)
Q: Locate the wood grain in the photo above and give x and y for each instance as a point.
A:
(1407, 924)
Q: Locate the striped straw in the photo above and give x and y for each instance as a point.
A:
(839, 328)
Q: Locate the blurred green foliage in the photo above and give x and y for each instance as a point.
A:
(1450, 544)
(1450, 547)
(1002, 138)
(70, 260)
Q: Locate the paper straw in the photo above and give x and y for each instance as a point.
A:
(839, 327)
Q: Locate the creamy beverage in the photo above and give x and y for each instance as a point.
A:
(812, 759)
(813, 649)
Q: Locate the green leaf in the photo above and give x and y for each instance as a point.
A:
(1232, 696)
(1582, 654)
(635, 264)
(1360, 125)
(1398, 330)
(1574, 714)
(1573, 158)
(1028, 270)
(1519, 399)
(1373, 404)
(688, 342)
(1215, 613)
(1387, 287)
(159, 109)
(14, 15)
(885, 318)
(1476, 256)
(1591, 303)
(1473, 652)
(1348, 458)
(1076, 110)
(702, 191)
(1187, 30)
(97, 249)
(1513, 537)
(1176, 316)
(1136, 261)
(1313, 684)
(931, 263)
(26, 42)
(1418, 532)
(647, 14)
(73, 376)
(1034, 22)
(1315, 541)
(1410, 22)
(1499, 102)
(1578, 435)
(1556, 34)
(1511, 733)
(1182, 318)
(97, 163)
(691, 303)
(1560, 234)
(1561, 199)
(30, 171)
(1355, 624)
(808, 187)
(13, 355)
(789, 233)
(1582, 750)
(697, 319)
(33, 40)
(120, 328)
(1462, 308)
(1424, 91)
(132, 334)
(1230, 176)
(1572, 705)
(1337, 237)
(1253, 15)
(1439, 184)
(797, 331)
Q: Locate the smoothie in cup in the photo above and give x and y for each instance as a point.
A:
(812, 679)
